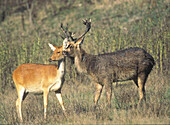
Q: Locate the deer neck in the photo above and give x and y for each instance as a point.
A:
(61, 66)
(80, 60)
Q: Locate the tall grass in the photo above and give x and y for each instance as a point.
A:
(78, 102)
(115, 25)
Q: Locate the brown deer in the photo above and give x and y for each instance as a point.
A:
(39, 78)
(128, 64)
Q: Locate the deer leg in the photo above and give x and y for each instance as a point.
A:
(108, 88)
(20, 91)
(98, 92)
(136, 82)
(25, 95)
(59, 97)
(45, 97)
(141, 84)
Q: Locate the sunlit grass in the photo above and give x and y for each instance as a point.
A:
(78, 100)
(123, 25)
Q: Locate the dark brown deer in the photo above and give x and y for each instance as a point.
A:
(128, 64)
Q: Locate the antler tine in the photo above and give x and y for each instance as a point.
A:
(62, 27)
(65, 31)
(62, 37)
(86, 22)
(88, 26)
(71, 36)
(67, 27)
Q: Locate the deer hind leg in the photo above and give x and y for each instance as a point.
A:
(98, 92)
(45, 97)
(20, 91)
(141, 83)
(108, 87)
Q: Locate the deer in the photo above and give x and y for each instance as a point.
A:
(128, 64)
(41, 78)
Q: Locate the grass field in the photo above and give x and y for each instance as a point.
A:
(116, 25)
(78, 100)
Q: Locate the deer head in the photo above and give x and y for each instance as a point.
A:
(57, 51)
(75, 44)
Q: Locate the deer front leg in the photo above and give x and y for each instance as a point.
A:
(59, 97)
(108, 87)
(98, 92)
(45, 96)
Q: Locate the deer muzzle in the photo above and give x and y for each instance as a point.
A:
(65, 53)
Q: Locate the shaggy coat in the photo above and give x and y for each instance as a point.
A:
(118, 66)
(128, 64)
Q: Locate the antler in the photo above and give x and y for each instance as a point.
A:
(71, 36)
(88, 26)
(65, 31)
(85, 22)
(61, 36)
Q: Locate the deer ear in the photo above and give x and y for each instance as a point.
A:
(53, 48)
(80, 41)
(65, 43)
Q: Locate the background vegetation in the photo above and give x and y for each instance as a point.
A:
(26, 26)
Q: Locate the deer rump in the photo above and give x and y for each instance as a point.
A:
(121, 65)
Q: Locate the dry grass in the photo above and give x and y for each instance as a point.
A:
(78, 100)
(125, 23)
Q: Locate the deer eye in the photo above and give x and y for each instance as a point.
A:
(58, 52)
(68, 46)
